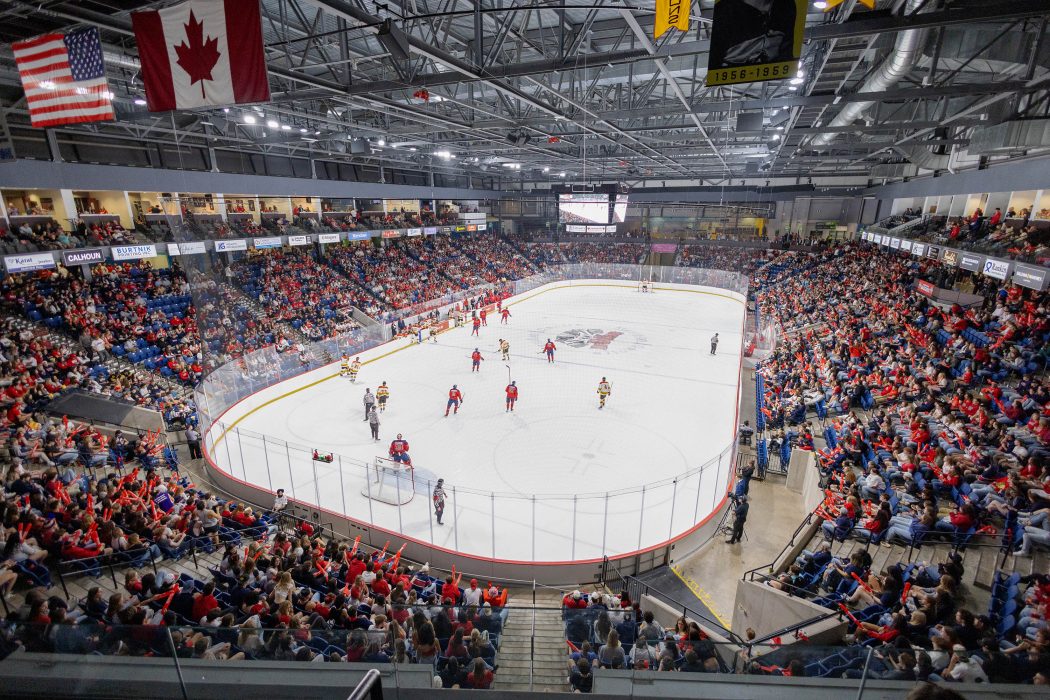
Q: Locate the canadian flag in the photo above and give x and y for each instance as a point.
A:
(202, 53)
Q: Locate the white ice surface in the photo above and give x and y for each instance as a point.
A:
(672, 410)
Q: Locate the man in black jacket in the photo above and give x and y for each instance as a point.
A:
(739, 518)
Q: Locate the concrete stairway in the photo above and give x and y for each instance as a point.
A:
(533, 646)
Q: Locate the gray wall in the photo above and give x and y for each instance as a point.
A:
(44, 174)
(1032, 174)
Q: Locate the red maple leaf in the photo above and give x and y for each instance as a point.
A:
(199, 58)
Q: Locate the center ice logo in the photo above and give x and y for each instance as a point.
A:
(594, 337)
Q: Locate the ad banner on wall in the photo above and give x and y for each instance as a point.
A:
(328, 238)
(298, 240)
(84, 256)
(133, 252)
(28, 262)
(1031, 277)
(230, 246)
(997, 269)
(971, 262)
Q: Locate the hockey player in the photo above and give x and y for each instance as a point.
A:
(504, 315)
(504, 348)
(344, 365)
(355, 367)
(399, 451)
(549, 348)
(382, 394)
(455, 399)
(433, 334)
(475, 360)
(484, 317)
(477, 327)
(604, 389)
(512, 395)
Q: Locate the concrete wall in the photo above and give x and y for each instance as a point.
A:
(77, 176)
(767, 610)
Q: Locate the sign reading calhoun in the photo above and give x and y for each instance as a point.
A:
(83, 256)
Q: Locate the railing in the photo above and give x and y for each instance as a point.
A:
(574, 527)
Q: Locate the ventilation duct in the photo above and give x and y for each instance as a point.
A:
(1019, 135)
(924, 158)
(906, 52)
(894, 170)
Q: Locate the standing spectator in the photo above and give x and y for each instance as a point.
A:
(193, 441)
(439, 500)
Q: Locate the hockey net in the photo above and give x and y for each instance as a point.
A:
(390, 482)
(645, 286)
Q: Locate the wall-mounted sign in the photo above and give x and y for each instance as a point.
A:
(924, 287)
(328, 238)
(192, 248)
(359, 235)
(27, 262)
(905, 245)
(950, 257)
(430, 230)
(414, 232)
(230, 246)
(895, 243)
(84, 256)
(298, 240)
(482, 226)
(133, 252)
(267, 242)
(973, 263)
(1031, 277)
(998, 269)
(918, 249)
(933, 252)
(391, 233)
(575, 228)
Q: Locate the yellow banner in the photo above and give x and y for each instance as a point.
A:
(671, 13)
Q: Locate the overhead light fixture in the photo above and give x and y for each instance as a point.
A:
(820, 5)
(546, 170)
(561, 174)
(226, 110)
(443, 154)
(302, 130)
(780, 128)
(793, 88)
(796, 81)
(381, 142)
(249, 119)
(272, 124)
(413, 149)
(140, 102)
(776, 137)
(285, 127)
(317, 133)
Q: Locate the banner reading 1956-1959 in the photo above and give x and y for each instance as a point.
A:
(755, 40)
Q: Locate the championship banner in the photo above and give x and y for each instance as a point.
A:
(755, 40)
(671, 13)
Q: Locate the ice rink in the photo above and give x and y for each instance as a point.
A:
(529, 485)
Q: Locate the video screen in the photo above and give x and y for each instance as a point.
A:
(583, 208)
(620, 209)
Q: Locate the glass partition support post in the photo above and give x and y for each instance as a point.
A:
(718, 478)
(288, 454)
(605, 523)
(492, 511)
(534, 527)
(342, 489)
(430, 519)
(455, 520)
(699, 488)
(397, 483)
(641, 518)
(368, 488)
(229, 457)
(266, 457)
(674, 496)
(178, 666)
(240, 451)
(317, 490)
(574, 497)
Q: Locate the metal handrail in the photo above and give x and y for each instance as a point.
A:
(807, 520)
(371, 686)
(648, 589)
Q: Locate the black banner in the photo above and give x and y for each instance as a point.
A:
(84, 256)
(755, 40)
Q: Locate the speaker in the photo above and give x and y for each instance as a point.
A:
(749, 121)
(394, 40)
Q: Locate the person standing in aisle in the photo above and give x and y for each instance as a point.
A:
(714, 343)
(739, 518)
(193, 441)
(373, 423)
(439, 501)
(370, 402)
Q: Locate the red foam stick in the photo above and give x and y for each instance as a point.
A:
(904, 593)
(850, 615)
(861, 582)
(170, 595)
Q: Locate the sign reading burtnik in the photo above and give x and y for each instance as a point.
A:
(755, 40)
(201, 53)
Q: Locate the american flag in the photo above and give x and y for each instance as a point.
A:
(64, 78)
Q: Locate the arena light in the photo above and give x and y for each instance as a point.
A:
(302, 130)
(546, 170)
(249, 119)
(272, 124)
(820, 5)
(140, 102)
(443, 154)
(796, 81)
(381, 142)
(285, 127)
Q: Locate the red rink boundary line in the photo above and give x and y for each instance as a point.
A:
(362, 525)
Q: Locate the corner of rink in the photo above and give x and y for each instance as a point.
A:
(557, 483)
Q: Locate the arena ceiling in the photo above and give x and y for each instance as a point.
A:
(531, 89)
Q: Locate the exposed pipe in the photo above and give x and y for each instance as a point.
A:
(906, 52)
